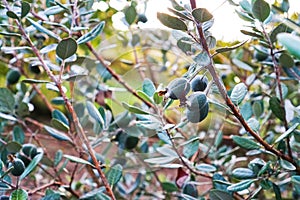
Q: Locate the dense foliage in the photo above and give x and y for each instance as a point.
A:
(91, 112)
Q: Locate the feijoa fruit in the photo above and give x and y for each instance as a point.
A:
(18, 165)
(13, 76)
(178, 89)
(199, 83)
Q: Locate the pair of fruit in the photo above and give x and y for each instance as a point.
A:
(197, 105)
(20, 162)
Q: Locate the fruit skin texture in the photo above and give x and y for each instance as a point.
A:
(18, 165)
(199, 83)
(29, 150)
(198, 107)
(12, 76)
(178, 89)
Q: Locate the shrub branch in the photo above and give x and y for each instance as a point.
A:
(69, 107)
(231, 105)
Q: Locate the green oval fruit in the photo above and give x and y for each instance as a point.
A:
(142, 18)
(25, 160)
(29, 150)
(18, 165)
(198, 107)
(178, 88)
(199, 83)
(131, 142)
(35, 69)
(13, 76)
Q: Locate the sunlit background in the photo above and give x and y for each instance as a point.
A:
(227, 24)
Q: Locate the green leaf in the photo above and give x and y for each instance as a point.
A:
(42, 29)
(34, 162)
(58, 157)
(240, 186)
(96, 194)
(281, 28)
(202, 14)
(94, 112)
(243, 173)
(276, 108)
(18, 134)
(97, 30)
(185, 44)
(238, 93)
(244, 16)
(225, 49)
(261, 10)
(246, 110)
(144, 96)
(66, 48)
(287, 132)
(242, 65)
(257, 108)
(10, 34)
(12, 15)
(169, 187)
(7, 100)
(202, 59)
(252, 34)
(130, 14)
(148, 87)
(216, 194)
(206, 167)
(296, 179)
(25, 8)
(8, 117)
(34, 81)
(77, 160)
(18, 194)
(246, 6)
(13, 147)
(286, 60)
(160, 160)
(245, 142)
(290, 42)
(264, 168)
(254, 124)
(277, 191)
(180, 14)
(134, 109)
(191, 148)
(287, 165)
(59, 125)
(114, 174)
(57, 134)
(56, 114)
(166, 151)
(171, 22)
(53, 10)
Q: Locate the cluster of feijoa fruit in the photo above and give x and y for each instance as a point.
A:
(196, 103)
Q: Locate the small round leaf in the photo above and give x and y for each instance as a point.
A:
(171, 22)
(66, 48)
